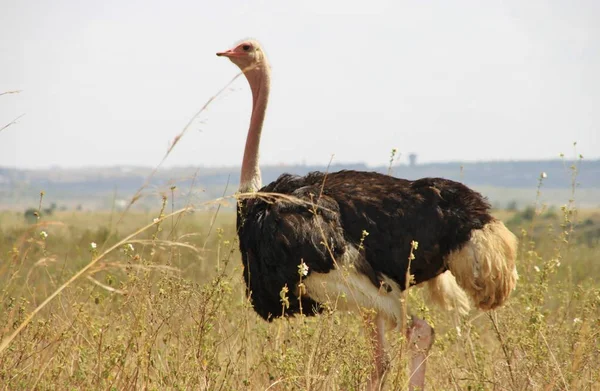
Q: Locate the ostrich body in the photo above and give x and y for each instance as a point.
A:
(355, 231)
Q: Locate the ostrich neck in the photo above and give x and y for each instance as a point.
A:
(259, 80)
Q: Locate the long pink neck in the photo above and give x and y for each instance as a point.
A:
(259, 80)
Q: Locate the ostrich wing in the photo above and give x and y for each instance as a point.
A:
(366, 219)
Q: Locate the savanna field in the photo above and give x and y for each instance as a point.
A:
(156, 300)
(165, 166)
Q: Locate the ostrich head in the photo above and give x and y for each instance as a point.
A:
(247, 55)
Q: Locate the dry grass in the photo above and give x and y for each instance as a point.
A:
(169, 312)
(124, 301)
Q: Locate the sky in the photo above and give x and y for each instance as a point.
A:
(113, 82)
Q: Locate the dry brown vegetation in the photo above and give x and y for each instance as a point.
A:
(120, 301)
(165, 309)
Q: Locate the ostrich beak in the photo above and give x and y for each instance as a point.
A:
(229, 53)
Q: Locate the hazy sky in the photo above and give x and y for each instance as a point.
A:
(112, 82)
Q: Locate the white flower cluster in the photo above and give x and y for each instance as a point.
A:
(303, 269)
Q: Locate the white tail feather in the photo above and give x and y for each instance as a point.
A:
(445, 292)
(485, 266)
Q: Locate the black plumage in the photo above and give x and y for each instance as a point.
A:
(277, 233)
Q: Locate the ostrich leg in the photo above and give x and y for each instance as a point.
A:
(420, 337)
(379, 357)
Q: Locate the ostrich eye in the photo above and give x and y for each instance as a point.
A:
(246, 47)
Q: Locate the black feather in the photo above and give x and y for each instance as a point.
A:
(276, 235)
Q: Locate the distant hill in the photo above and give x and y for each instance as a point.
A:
(98, 187)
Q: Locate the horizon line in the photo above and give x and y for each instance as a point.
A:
(336, 164)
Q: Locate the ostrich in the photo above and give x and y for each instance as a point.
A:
(352, 234)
